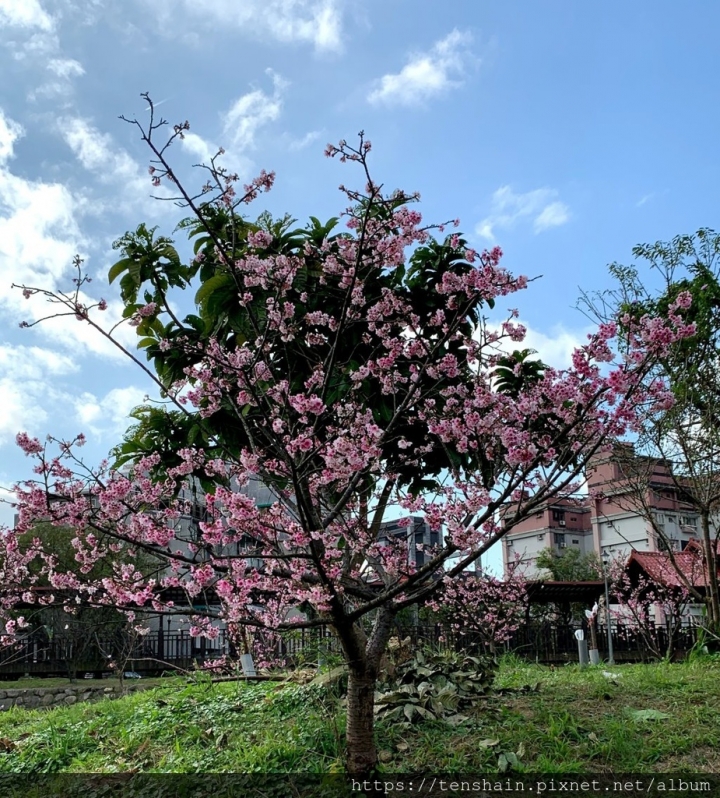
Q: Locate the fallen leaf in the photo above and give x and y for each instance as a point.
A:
(507, 761)
(649, 714)
(402, 746)
(142, 747)
(385, 756)
(456, 720)
(488, 743)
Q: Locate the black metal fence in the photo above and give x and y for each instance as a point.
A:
(540, 642)
(552, 643)
(38, 654)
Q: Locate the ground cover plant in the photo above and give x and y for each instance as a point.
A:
(643, 719)
(349, 372)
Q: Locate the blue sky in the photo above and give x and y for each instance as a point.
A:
(566, 132)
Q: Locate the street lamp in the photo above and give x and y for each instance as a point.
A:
(606, 562)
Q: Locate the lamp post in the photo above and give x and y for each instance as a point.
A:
(611, 653)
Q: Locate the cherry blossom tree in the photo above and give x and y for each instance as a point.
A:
(482, 606)
(654, 608)
(350, 372)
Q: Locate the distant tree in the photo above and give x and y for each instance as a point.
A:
(683, 438)
(653, 608)
(570, 565)
(482, 606)
(80, 632)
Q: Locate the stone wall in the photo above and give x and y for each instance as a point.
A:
(47, 697)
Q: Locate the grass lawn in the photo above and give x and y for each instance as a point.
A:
(31, 682)
(651, 718)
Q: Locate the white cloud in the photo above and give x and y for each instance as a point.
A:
(28, 376)
(10, 132)
(241, 124)
(554, 347)
(34, 397)
(24, 14)
(651, 197)
(96, 151)
(553, 215)
(540, 206)
(305, 141)
(113, 166)
(316, 22)
(252, 111)
(199, 147)
(65, 67)
(38, 233)
(39, 237)
(31, 363)
(107, 417)
(426, 74)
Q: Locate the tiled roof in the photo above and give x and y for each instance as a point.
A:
(696, 545)
(658, 567)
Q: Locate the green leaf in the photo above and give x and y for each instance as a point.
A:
(118, 268)
(219, 282)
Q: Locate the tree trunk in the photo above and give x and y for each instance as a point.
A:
(360, 731)
(712, 598)
(363, 655)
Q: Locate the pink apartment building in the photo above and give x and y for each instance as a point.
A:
(614, 520)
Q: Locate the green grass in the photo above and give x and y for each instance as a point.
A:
(561, 721)
(31, 682)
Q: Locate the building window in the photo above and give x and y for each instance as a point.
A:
(575, 542)
(560, 538)
(558, 515)
(671, 519)
(688, 520)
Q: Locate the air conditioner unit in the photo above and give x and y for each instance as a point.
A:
(561, 523)
(562, 545)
